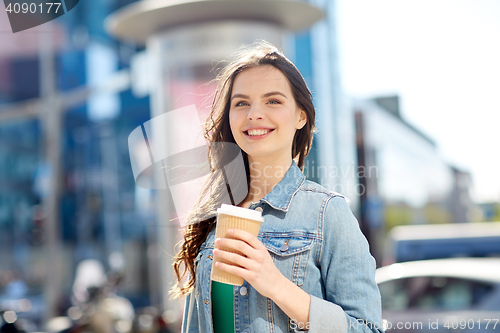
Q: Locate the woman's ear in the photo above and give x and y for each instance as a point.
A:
(302, 120)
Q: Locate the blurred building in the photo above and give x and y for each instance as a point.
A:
(91, 223)
(403, 178)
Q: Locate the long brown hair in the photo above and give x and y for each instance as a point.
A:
(217, 130)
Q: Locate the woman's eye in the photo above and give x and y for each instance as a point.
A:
(274, 100)
(239, 103)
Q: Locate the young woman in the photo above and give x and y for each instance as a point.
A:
(310, 268)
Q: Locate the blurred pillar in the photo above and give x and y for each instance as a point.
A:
(184, 42)
(371, 207)
(461, 202)
(111, 192)
(51, 129)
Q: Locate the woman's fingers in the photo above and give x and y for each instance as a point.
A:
(234, 245)
(247, 246)
(252, 262)
(237, 264)
(246, 237)
(236, 270)
(232, 258)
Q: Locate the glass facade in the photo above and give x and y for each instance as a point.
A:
(402, 178)
(408, 173)
(84, 207)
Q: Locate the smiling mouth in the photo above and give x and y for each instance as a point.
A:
(258, 132)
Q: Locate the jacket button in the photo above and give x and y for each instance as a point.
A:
(243, 291)
(258, 209)
(284, 247)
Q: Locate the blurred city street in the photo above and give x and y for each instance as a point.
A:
(96, 99)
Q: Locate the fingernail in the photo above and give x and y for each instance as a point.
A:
(229, 231)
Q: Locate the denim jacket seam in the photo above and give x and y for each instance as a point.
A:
(295, 192)
(321, 228)
(270, 314)
(248, 309)
(321, 190)
(285, 209)
(297, 233)
(323, 213)
(300, 256)
(273, 206)
(206, 246)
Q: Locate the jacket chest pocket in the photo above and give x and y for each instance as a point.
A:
(291, 255)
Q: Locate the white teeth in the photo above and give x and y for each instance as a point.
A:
(258, 131)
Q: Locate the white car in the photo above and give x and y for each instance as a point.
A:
(441, 295)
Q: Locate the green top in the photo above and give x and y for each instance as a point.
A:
(222, 307)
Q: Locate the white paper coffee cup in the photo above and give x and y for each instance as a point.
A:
(234, 217)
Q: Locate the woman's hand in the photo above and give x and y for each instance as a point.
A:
(258, 269)
(256, 266)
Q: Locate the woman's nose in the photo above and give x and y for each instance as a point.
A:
(255, 112)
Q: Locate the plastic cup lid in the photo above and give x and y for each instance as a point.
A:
(240, 212)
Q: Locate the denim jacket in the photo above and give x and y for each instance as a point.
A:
(327, 256)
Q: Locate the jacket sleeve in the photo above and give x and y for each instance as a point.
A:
(352, 301)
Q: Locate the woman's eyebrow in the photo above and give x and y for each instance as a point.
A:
(263, 96)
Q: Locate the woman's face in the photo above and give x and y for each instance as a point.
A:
(263, 114)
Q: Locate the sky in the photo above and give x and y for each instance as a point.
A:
(442, 57)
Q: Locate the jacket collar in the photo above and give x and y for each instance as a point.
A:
(281, 195)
